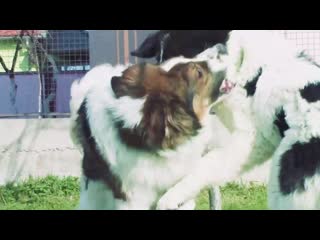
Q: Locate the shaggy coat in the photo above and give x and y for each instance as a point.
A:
(273, 112)
(141, 129)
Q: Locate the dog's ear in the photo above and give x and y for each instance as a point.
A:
(150, 47)
(116, 86)
(129, 84)
(166, 122)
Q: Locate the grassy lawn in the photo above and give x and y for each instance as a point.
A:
(238, 197)
(52, 193)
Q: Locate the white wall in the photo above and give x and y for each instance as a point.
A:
(42, 147)
(36, 148)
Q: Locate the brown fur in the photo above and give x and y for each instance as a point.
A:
(176, 101)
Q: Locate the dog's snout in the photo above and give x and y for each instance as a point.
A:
(221, 49)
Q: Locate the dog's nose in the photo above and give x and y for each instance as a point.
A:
(221, 49)
(226, 86)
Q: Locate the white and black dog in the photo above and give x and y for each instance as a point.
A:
(272, 112)
(141, 129)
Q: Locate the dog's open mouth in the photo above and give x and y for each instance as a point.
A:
(226, 87)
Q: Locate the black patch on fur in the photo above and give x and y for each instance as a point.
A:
(252, 85)
(281, 122)
(297, 164)
(131, 137)
(311, 92)
(95, 168)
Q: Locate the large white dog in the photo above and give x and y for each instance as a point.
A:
(142, 128)
(272, 112)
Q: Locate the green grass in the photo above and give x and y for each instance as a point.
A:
(52, 193)
(238, 197)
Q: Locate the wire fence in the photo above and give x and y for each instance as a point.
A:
(306, 39)
(37, 67)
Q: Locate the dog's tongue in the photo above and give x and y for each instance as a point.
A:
(226, 86)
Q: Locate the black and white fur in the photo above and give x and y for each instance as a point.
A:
(273, 112)
(142, 176)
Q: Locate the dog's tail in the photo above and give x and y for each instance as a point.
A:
(99, 76)
(78, 93)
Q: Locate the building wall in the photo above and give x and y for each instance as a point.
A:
(28, 89)
(27, 94)
(103, 45)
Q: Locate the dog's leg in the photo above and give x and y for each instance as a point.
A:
(294, 181)
(94, 195)
(217, 168)
(215, 199)
(189, 187)
(273, 191)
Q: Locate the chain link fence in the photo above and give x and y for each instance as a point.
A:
(37, 67)
(305, 39)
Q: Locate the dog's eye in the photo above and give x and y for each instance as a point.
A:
(200, 74)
